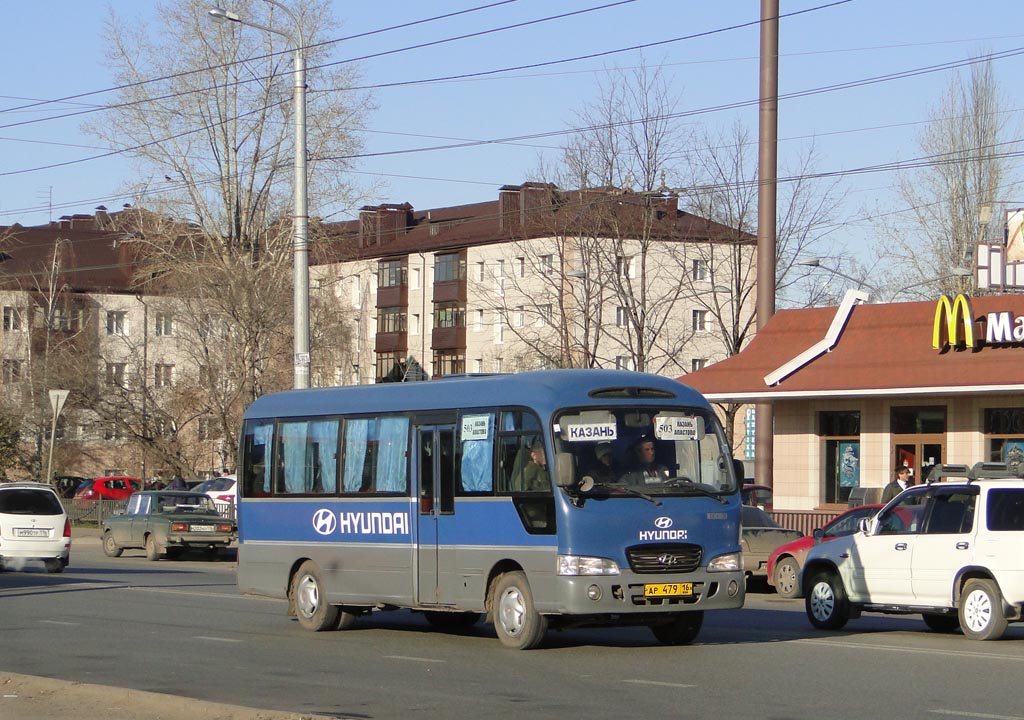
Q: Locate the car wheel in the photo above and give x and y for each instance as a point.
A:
(451, 621)
(153, 550)
(110, 546)
(826, 603)
(311, 606)
(517, 622)
(981, 610)
(941, 623)
(787, 578)
(54, 566)
(682, 629)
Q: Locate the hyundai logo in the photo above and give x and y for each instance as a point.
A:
(324, 521)
(666, 559)
(663, 523)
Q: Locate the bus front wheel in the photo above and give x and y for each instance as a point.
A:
(311, 606)
(680, 630)
(517, 622)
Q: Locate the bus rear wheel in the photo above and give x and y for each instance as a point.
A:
(311, 606)
(680, 630)
(516, 620)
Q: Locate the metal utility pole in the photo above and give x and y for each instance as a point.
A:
(767, 181)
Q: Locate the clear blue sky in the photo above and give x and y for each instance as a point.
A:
(55, 49)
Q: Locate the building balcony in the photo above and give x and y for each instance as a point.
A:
(450, 291)
(396, 342)
(396, 296)
(449, 338)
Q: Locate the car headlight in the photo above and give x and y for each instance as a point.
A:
(730, 562)
(582, 565)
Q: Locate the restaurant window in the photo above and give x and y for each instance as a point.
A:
(840, 434)
(1004, 434)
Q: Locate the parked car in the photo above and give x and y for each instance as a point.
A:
(108, 488)
(167, 521)
(759, 535)
(785, 562)
(33, 527)
(949, 550)
(222, 489)
(756, 496)
(67, 485)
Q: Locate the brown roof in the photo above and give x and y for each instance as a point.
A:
(882, 350)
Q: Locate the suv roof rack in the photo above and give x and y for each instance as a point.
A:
(979, 471)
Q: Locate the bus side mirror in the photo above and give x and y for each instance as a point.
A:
(565, 469)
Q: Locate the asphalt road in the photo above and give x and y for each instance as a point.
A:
(181, 628)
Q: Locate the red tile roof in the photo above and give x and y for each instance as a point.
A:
(883, 350)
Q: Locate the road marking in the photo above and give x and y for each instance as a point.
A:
(58, 622)
(918, 651)
(215, 639)
(985, 716)
(413, 659)
(172, 591)
(659, 684)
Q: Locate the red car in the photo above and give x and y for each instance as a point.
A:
(108, 488)
(786, 561)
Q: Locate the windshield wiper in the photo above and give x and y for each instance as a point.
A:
(629, 491)
(697, 489)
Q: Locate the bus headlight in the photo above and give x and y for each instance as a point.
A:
(582, 565)
(730, 562)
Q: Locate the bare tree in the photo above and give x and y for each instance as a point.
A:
(963, 147)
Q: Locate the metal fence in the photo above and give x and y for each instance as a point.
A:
(93, 512)
(803, 520)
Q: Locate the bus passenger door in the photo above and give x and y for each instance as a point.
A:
(435, 463)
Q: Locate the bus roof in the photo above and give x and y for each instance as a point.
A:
(545, 390)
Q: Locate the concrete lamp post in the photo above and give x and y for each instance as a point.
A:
(301, 218)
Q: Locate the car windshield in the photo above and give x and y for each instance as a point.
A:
(29, 501)
(619, 451)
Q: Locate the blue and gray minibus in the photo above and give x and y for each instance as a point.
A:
(555, 498)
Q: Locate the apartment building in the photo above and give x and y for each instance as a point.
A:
(538, 278)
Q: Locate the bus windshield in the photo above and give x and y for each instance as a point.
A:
(618, 451)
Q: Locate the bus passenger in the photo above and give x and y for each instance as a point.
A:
(604, 470)
(646, 469)
(535, 473)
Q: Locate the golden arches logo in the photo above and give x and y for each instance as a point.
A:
(952, 314)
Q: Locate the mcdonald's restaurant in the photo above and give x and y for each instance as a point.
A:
(860, 389)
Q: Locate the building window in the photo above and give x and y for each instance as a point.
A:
(499, 332)
(521, 266)
(478, 323)
(449, 363)
(544, 314)
(67, 320)
(164, 326)
(480, 271)
(840, 434)
(449, 267)
(699, 270)
(547, 264)
(12, 370)
(499, 277)
(623, 362)
(1004, 434)
(415, 278)
(163, 375)
(624, 267)
(621, 316)
(205, 430)
(698, 364)
(414, 325)
(391, 320)
(391, 273)
(478, 365)
(115, 374)
(519, 316)
(390, 367)
(117, 322)
(449, 315)
(700, 320)
(12, 319)
(498, 365)
(113, 431)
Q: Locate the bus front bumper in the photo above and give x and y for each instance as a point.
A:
(650, 594)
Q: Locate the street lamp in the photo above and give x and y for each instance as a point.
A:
(301, 218)
(957, 272)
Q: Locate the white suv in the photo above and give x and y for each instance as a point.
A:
(33, 527)
(949, 549)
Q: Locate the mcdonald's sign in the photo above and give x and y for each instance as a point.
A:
(952, 315)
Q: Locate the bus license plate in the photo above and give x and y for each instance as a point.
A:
(668, 590)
